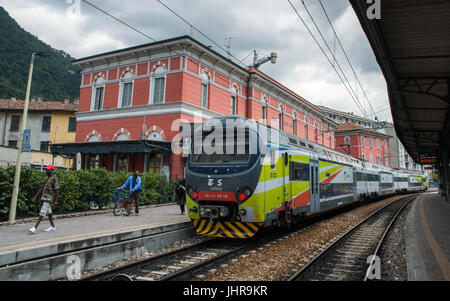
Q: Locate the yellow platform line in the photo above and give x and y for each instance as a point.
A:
(432, 242)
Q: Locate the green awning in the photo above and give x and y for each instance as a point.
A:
(122, 147)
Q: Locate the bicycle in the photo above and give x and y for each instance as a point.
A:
(122, 204)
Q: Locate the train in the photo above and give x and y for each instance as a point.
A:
(242, 176)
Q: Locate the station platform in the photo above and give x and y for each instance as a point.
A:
(97, 240)
(427, 239)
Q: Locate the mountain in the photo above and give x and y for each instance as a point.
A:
(54, 77)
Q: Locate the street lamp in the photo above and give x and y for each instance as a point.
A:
(15, 192)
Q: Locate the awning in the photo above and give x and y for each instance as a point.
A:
(122, 147)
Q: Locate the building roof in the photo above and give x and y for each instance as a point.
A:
(186, 41)
(410, 42)
(346, 128)
(49, 106)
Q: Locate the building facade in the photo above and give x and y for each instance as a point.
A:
(398, 157)
(145, 92)
(363, 143)
(50, 122)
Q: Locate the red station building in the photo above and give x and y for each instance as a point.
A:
(363, 143)
(131, 99)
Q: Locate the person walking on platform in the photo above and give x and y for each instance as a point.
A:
(49, 193)
(134, 183)
(181, 195)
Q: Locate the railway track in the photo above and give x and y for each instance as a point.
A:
(179, 264)
(353, 256)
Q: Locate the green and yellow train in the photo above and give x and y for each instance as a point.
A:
(242, 176)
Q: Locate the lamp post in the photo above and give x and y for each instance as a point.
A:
(15, 192)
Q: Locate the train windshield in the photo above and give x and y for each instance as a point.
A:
(217, 149)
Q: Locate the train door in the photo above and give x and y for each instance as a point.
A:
(286, 182)
(314, 186)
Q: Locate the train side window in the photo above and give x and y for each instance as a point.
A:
(300, 172)
(272, 158)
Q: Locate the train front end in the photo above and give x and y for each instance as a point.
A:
(222, 172)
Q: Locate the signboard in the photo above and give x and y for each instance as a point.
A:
(26, 146)
(428, 167)
(428, 159)
(78, 161)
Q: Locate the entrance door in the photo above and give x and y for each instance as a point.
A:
(314, 186)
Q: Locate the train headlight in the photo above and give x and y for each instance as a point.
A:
(242, 212)
(243, 194)
(192, 193)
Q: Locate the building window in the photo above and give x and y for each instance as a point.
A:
(12, 143)
(363, 156)
(46, 120)
(264, 113)
(158, 90)
(122, 162)
(72, 124)
(127, 90)
(44, 146)
(98, 104)
(280, 121)
(94, 161)
(378, 160)
(233, 105)
(371, 142)
(306, 130)
(363, 142)
(347, 140)
(378, 143)
(204, 95)
(15, 122)
(371, 158)
(154, 162)
(294, 127)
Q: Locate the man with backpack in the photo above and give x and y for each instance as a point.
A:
(49, 193)
(134, 184)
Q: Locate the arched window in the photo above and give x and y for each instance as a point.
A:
(205, 90)
(159, 86)
(363, 142)
(126, 90)
(98, 94)
(347, 140)
(233, 101)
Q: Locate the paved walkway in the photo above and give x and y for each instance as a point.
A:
(427, 238)
(16, 237)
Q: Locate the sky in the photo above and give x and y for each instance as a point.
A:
(265, 26)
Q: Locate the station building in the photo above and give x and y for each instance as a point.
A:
(363, 143)
(132, 102)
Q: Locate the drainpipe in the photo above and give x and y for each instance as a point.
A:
(247, 115)
(4, 129)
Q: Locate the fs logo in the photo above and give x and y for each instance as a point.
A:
(211, 182)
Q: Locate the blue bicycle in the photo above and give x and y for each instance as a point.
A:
(122, 203)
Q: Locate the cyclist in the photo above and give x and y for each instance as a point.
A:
(134, 184)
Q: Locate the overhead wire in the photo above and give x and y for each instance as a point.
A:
(345, 54)
(326, 56)
(335, 60)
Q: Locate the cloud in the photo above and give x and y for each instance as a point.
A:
(274, 26)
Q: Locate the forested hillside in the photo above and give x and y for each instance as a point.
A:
(54, 77)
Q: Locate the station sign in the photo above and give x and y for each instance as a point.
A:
(26, 146)
(428, 159)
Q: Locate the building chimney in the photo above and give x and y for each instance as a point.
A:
(66, 100)
(33, 99)
(76, 101)
(39, 99)
(13, 98)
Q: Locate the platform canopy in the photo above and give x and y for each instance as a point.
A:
(122, 147)
(411, 42)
